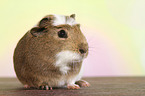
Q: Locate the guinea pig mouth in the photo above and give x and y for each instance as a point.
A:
(84, 56)
(76, 61)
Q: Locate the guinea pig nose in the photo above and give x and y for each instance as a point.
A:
(82, 51)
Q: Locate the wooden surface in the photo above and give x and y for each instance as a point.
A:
(100, 86)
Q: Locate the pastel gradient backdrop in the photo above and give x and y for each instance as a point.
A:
(115, 30)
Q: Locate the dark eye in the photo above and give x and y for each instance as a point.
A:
(62, 34)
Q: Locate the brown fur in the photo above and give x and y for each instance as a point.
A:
(34, 56)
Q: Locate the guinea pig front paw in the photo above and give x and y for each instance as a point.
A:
(26, 86)
(73, 86)
(82, 83)
(45, 87)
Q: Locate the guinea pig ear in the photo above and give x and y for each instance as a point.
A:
(78, 25)
(44, 22)
(72, 16)
(36, 31)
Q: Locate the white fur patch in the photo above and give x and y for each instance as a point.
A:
(62, 59)
(71, 81)
(61, 19)
(77, 78)
(61, 83)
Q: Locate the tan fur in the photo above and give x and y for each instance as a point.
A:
(34, 57)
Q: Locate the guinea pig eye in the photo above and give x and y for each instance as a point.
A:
(62, 34)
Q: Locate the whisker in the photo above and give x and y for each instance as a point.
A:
(92, 54)
(94, 51)
(90, 39)
(91, 47)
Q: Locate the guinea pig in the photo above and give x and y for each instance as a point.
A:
(51, 54)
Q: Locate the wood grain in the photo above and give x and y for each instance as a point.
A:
(100, 86)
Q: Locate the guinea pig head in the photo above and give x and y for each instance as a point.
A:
(62, 35)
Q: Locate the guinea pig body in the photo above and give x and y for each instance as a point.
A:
(51, 54)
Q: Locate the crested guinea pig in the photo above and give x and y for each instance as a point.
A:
(51, 54)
